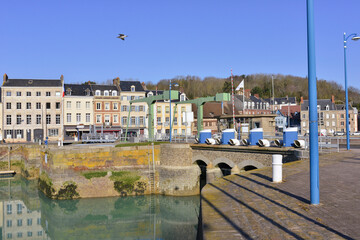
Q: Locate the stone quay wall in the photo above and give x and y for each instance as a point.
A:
(177, 173)
(118, 171)
(88, 171)
(24, 159)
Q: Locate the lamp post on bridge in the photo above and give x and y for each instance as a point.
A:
(355, 37)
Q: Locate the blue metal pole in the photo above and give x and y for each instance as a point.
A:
(313, 118)
(346, 99)
(170, 108)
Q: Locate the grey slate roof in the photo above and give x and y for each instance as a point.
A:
(255, 99)
(32, 83)
(103, 88)
(154, 92)
(161, 92)
(126, 86)
(342, 106)
(282, 100)
(322, 102)
(78, 89)
(250, 99)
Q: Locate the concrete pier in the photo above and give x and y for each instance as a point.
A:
(249, 206)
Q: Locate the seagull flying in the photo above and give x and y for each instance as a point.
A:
(122, 36)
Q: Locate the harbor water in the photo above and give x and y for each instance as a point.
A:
(28, 214)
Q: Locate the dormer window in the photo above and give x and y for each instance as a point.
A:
(106, 93)
(87, 92)
(327, 107)
(114, 93)
(150, 94)
(132, 88)
(68, 92)
(182, 97)
(318, 107)
(97, 93)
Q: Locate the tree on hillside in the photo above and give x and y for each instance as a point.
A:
(284, 85)
(256, 90)
(226, 87)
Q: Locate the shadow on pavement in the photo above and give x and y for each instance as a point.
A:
(227, 219)
(350, 162)
(262, 176)
(276, 203)
(255, 211)
(304, 200)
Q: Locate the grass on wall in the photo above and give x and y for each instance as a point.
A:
(89, 175)
(124, 181)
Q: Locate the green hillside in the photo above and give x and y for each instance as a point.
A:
(284, 85)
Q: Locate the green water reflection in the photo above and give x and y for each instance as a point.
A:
(28, 214)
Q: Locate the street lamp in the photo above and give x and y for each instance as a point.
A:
(313, 118)
(175, 85)
(355, 37)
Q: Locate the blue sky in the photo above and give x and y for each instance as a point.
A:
(44, 39)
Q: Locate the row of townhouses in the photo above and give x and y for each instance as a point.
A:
(276, 114)
(39, 109)
(331, 117)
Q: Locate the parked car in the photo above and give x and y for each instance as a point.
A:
(339, 133)
(356, 134)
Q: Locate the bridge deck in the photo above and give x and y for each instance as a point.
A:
(255, 149)
(250, 206)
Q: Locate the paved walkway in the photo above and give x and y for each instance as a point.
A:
(250, 206)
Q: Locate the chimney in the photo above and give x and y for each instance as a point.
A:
(5, 78)
(144, 86)
(332, 98)
(301, 99)
(62, 79)
(116, 82)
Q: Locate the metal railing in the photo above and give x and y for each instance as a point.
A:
(99, 138)
(327, 144)
(159, 137)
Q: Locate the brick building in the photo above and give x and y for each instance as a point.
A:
(106, 108)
